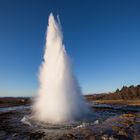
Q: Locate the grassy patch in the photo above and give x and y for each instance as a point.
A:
(119, 102)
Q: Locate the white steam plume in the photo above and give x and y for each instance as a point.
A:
(59, 97)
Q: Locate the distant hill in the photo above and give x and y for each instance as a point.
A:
(125, 93)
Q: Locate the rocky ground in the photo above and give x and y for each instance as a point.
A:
(112, 124)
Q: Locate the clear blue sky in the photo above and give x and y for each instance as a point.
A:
(102, 38)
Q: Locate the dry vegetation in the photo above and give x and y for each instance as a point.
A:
(9, 101)
(125, 96)
(119, 102)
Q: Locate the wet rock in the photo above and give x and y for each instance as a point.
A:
(83, 125)
(37, 135)
(2, 135)
(96, 122)
(112, 138)
(25, 121)
(70, 135)
(105, 137)
(14, 135)
(90, 137)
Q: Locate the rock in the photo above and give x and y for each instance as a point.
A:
(37, 135)
(96, 122)
(2, 135)
(112, 138)
(90, 137)
(25, 120)
(14, 135)
(81, 126)
(70, 135)
(105, 137)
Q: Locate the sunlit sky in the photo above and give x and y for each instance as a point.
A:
(102, 37)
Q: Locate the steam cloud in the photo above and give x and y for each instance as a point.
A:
(59, 97)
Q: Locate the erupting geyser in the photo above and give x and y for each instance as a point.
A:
(59, 97)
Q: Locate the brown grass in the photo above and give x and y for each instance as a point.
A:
(6, 102)
(119, 102)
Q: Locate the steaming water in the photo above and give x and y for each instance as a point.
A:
(59, 97)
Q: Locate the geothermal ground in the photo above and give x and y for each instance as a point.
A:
(110, 122)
